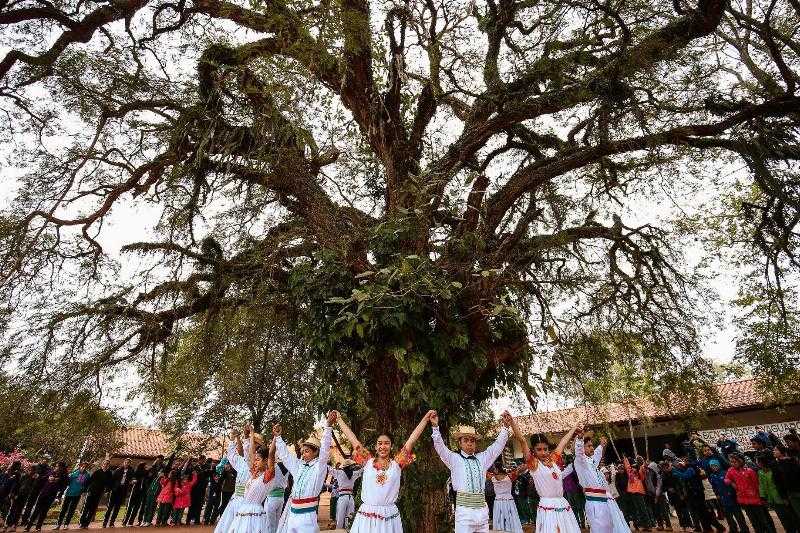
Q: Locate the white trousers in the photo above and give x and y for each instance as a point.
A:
(298, 523)
(605, 517)
(273, 507)
(469, 520)
(344, 506)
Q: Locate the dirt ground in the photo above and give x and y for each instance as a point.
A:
(325, 524)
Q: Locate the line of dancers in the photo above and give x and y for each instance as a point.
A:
(257, 504)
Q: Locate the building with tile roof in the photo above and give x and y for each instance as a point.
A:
(145, 444)
(737, 409)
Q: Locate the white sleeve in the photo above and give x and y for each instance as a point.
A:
(325, 452)
(239, 463)
(580, 454)
(445, 453)
(357, 474)
(490, 454)
(598, 454)
(568, 470)
(289, 460)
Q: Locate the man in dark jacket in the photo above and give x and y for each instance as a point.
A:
(42, 472)
(21, 494)
(214, 492)
(55, 483)
(121, 481)
(99, 483)
(198, 493)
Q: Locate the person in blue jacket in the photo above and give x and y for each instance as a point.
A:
(727, 498)
(76, 484)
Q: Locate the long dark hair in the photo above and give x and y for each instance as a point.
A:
(539, 438)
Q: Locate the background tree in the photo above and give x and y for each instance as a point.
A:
(422, 185)
(244, 365)
(41, 421)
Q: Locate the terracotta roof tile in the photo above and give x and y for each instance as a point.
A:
(149, 442)
(732, 396)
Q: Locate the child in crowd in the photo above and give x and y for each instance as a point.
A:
(744, 481)
(183, 496)
(166, 497)
(769, 493)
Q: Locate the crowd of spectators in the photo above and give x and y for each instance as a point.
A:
(160, 493)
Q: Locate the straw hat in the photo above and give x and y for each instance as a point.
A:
(347, 462)
(312, 441)
(465, 431)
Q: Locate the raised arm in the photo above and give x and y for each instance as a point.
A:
(599, 450)
(289, 460)
(565, 439)
(251, 452)
(348, 433)
(414, 437)
(445, 453)
(490, 454)
(327, 438)
(526, 450)
(580, 452)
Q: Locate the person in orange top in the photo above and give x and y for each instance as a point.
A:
(643, 519)
(554, 513)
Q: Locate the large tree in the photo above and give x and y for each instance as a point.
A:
(422, 186)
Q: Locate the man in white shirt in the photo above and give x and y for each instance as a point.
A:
(468, 472)
(602, 511)
(309, 473)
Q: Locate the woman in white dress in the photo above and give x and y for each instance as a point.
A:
(504, 512)
(554, 514)
(380, 483)
(238, 455)
(250, 516)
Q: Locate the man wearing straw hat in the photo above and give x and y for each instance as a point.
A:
(309, 473)
(468, 472)
(602, 511)
(345, 475)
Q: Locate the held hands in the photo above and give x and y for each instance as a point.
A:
(433, 417)
(247, 429)
(332, 416)
(276, 430)
(508, 420)
(603, 441)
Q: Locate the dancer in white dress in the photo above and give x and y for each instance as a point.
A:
(237, 455)
(602, 511)
(381, 480)
(504, 513)
(346, 478)
(273, 505)
(250, 516)
(309, 473)
(554, 514)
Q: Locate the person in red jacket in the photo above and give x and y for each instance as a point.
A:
(183, 496)
(166, 497)
(744, 481)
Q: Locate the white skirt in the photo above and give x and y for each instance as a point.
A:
(249, 518)
(377, 519)
(505, 516)
(225, 521)
(555, 515)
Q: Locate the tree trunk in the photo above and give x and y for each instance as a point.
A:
(423, 498)
(630, 428)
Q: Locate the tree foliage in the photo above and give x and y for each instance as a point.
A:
(41, 421)
(242, 366)
(423, 186)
